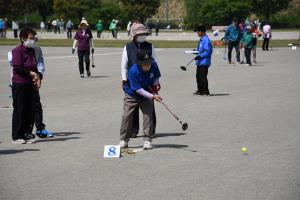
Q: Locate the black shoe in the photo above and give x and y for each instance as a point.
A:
(88, 73)
(28, 136)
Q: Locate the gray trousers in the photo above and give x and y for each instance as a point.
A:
(130, 105)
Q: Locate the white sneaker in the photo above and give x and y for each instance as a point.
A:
(19, 141)
(123, 144)
(147, 145)
(30, 141)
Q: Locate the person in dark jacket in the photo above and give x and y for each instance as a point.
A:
(203, 61)
(233, 36)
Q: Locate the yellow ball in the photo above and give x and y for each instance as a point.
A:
(244, 150)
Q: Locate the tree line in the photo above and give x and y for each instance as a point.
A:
(93, 10)
(221, 12)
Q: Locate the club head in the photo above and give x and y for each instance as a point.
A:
(183, 68)
(185, 126)
(93, 66)
(224, 58)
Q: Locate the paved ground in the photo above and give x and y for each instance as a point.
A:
(256, 107)
(168, 35)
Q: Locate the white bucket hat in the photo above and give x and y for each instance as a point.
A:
(84, 22)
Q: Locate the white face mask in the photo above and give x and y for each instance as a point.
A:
(30, 43)
(141, 38)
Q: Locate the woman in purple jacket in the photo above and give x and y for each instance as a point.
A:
(83, 39)
(25, 80)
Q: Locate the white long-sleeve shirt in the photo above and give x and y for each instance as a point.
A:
(124, 64)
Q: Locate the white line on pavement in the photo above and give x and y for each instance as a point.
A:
(75, 56)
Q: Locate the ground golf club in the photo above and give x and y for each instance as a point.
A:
(184, 68)
(93, 62)
(183, 125)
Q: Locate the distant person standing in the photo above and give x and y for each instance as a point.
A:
(256, 34)
(116, 28)
(54, 25)
(15, 27)
(83, 39)
(69, 27)
(247, 42)
(99, 28)
(58, 26)
(111, 28)
(233, 36)
(1, 28)
(5, 27)
(62, 26)
(267, 35)
(149, 27)
(49, 26)
(157, 27)
(42, 26)
(128, 28)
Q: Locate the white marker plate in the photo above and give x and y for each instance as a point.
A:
(112, 151)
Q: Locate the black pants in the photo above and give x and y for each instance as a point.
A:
(1, 33)
(15, 33)
(69, 33)
(265, 45)
(136, 124)
(113, 33)
(99, 34)
(38, 111)
(84, 55)
(236, 45)
(116, 33)
(248, 55)
(23, 115)
(201, 77)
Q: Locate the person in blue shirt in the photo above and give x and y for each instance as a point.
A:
(203, 61)
(233, 36)
(140, 91)
(1, 28)
(41, 130)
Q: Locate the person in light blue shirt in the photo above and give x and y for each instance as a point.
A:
(203, 61)
(1, 28)
(41, 130)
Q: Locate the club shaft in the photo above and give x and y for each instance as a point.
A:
(174, 115)
(190, 62)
